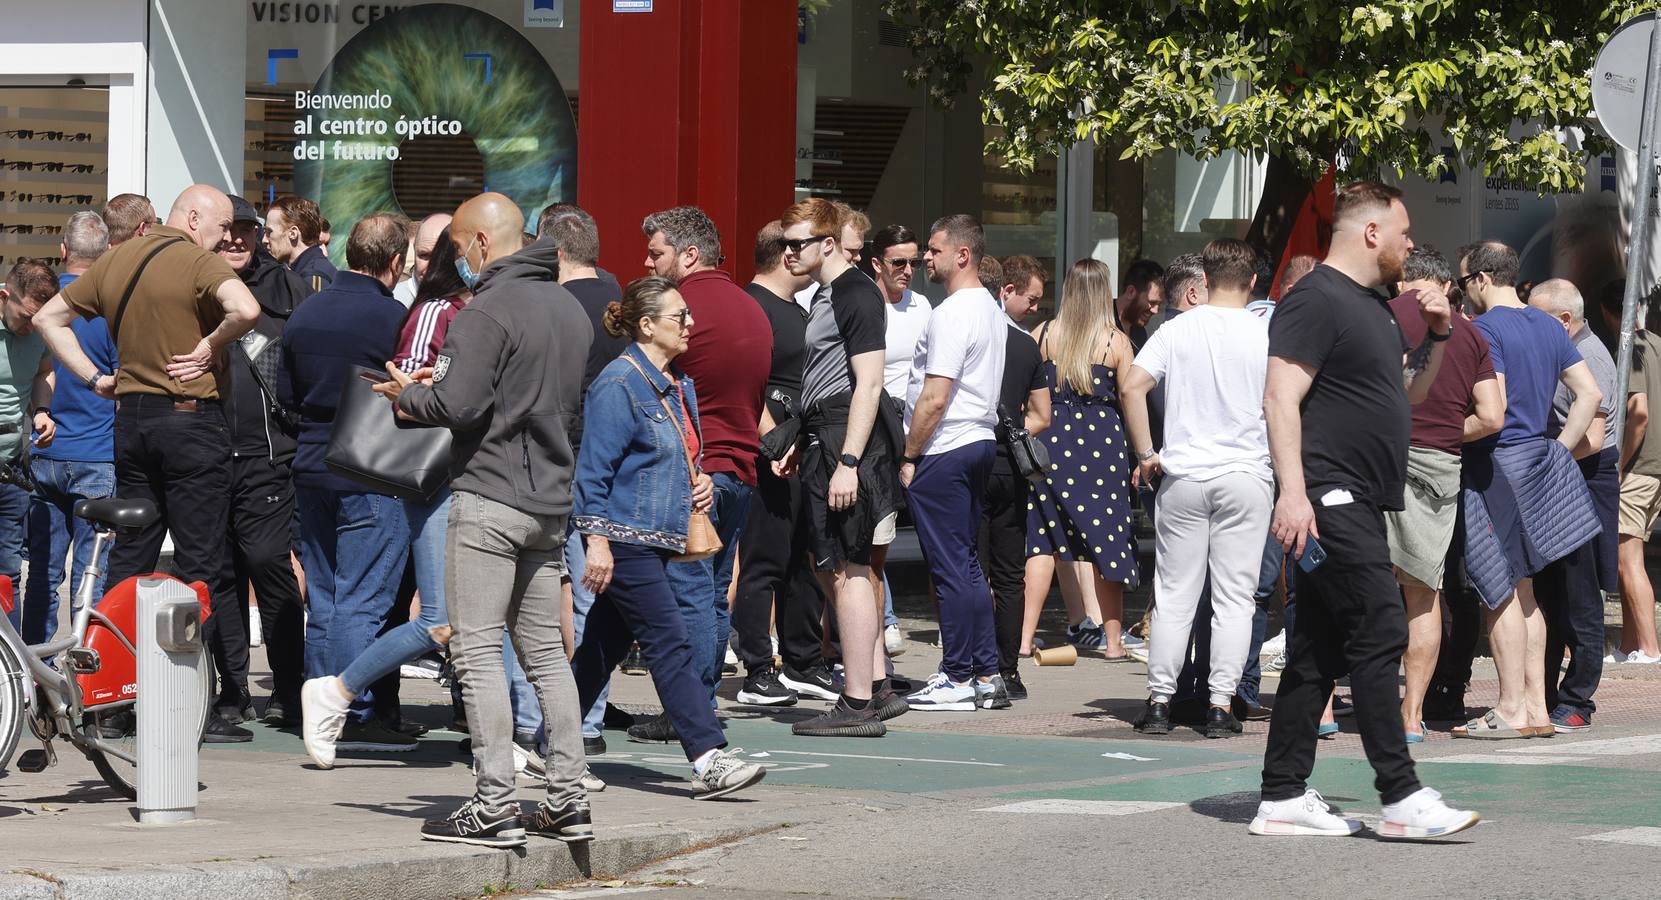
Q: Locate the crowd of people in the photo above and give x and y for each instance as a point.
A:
(643, 474)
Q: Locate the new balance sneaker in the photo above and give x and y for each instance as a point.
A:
(1221, 723)
(374, 737)
(815, 682)
(1087, 635)
(762, 688)
(322, 716)
(656, 730)
(1421, 815)
(893, 641)
(1309, 815)
(991, 693)
(724, 774)
(474, 823)
(941, 694)
(571, 823)
(888, 702)
(1016, 688)
(1155, 719)
(842, 721)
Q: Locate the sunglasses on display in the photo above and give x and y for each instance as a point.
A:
(31, 229)
(26, 134)
(273, 176)
(21, 197)
(795, 245)
(48, 260)
(27, 165)
(898, 264)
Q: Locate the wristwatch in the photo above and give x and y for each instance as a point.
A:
(1439, 338)
(1145, 455)
(911, 460)
(92, 381)
(850, 460)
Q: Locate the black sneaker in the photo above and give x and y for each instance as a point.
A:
(816, 682)
(843, 721)
(571, 823)
(474, 824)
(1221, 723)
(991, 693)
(374, 737)
(1156, 719)
(122, 723)
(1444, 704)
(282, 713)
(1014, 686)
(404, 726)
(762, 688)
(219, 731)
(617, 719)
(236, 711)
(889, 702)
(594, 746)
(633, 664)
(656, 730)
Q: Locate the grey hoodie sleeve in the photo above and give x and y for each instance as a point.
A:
(464, 375)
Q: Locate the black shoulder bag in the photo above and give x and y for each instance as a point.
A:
(1027, 452)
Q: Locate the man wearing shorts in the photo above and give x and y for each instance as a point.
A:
(1421, 531)
(848, 457)
(1640, 495)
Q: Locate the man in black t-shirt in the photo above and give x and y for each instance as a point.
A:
(1339, 443)
(774, 579)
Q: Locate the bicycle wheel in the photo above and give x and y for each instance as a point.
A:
(121, 727)
(14, 680)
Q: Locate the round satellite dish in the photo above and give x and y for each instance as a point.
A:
(1618, 80)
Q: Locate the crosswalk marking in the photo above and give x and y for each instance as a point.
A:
(1083, 807)
(1625, 746)
(1644, 836)
(1496, 759)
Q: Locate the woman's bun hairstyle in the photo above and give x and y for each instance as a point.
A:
(642, 298)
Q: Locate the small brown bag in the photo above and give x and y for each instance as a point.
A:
(701, 540)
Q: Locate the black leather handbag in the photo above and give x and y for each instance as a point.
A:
(1028, 453)
(388, 455)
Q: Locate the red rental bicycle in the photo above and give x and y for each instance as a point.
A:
(83, 687)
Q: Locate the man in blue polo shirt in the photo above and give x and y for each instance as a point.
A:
(79, 464)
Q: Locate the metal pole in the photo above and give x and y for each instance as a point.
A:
(1637, 246)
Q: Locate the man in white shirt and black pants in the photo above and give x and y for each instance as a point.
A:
(951, 410)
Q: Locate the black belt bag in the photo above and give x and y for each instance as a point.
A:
(1026, 452)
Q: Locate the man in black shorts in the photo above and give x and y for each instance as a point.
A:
(1339, 444)
(850, 471)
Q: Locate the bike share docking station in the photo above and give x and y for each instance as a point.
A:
(170, 702)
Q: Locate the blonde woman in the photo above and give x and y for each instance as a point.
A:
(1081, 514)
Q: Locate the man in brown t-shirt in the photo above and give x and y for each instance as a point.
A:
(184, 308)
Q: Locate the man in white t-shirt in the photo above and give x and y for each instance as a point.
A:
(951, 410)
(1217, 494)
(896, 259)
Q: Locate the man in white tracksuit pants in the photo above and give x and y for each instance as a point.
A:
(1217, 494)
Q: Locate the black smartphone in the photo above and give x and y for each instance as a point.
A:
(1313, 554)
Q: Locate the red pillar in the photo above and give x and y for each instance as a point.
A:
(693, 103)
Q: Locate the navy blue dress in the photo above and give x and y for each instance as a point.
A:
(1082, 511)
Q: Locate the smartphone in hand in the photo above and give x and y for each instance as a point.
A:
(1313, 554)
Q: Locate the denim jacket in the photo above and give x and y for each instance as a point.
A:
(632, 484)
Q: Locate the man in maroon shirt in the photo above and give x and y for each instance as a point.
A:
(1421, 532)
(729, 359)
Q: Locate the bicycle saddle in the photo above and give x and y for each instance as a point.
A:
(121, 516)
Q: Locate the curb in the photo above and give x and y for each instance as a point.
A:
(426, 871)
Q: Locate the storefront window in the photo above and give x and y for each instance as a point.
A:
(54, 158)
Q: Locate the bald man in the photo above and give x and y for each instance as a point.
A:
(426, 235)
(1570, 590)
(185, 308)
(507, 383)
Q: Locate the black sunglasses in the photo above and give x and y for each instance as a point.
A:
(795, 245)
(906, 263)
(1465, 279)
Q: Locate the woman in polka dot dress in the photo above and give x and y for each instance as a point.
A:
(1081, 514)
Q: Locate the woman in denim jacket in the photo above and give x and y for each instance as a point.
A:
(633, 492)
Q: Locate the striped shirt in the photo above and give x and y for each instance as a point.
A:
(423, 333)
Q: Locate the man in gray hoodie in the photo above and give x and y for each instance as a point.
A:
(506, 384)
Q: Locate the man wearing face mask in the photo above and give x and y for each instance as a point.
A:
(262, 479)
(353, 542)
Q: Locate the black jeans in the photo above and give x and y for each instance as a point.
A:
(1350, 619)
(261, 511)
(1571, 598)
(776, 584)
(181, 461)
(1003, 540)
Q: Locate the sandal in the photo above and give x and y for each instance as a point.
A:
(1538, 731)
(1490, 727)
(1327, 731)
(1121, 658)
(1417, 738)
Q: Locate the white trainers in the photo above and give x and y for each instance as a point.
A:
(724, 774)
(944, 695)
(1615, 656)
(591, 782)
(323, 706)
(893, 641)
(1309, 815)
(1274, 646)
(1422, 814)
(1637, 657)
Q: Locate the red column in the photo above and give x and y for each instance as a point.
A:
(693, 103)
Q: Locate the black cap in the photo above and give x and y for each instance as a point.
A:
(243, 211)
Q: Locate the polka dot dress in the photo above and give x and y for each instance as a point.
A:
(1083, 510)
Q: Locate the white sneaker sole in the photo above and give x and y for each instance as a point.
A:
(371, 747)
(755, 779)
(505, 840)
(1395, 831)
(1281, 828)
(807, 689)
(322, 752)
(765, 700)
(954, 706)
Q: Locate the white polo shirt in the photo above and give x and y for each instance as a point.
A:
(964, 341)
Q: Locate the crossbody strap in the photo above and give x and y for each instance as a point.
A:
(691, 468)
(127, 295)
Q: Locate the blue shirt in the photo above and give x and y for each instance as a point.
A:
(86, 421)
(1531, 349)
(354, 321)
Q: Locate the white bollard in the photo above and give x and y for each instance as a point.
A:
(170, 701)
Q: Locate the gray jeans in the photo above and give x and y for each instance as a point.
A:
(503, 568)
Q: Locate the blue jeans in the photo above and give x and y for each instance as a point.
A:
(888, 617)
(52, 529)
(353, 546)
(701, 587)
(428, 521)
(582, 601)
(14, 509)
(946, 498)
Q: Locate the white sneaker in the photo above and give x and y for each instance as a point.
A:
(323, 706)
(1422, 814)
(1274, 646)
(1138, 652)
(1308, 815)
(941, 694)
(592, 782)
(893, 641)
(529, 764)
(731, 658)
(1615, 656)
(1637, 657)
(724, 774)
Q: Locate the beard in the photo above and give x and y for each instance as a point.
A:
(1390, 266)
